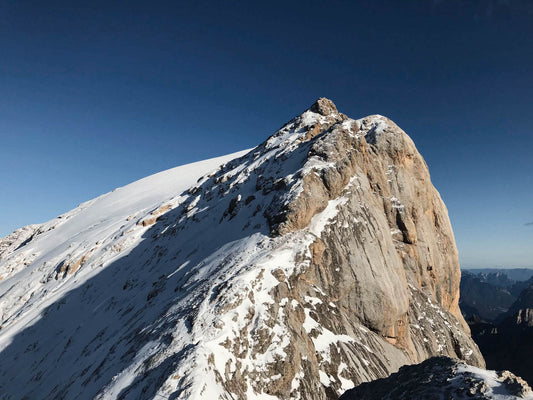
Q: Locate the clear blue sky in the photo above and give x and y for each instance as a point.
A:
(95, 95)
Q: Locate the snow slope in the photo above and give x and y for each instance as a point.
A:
(96, 227)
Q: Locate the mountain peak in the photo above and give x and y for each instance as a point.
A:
(324, 107)
(320, 259)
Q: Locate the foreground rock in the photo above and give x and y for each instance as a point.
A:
(443, 378)
(321, 259)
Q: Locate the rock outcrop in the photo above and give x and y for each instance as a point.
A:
(321, 259)
(521, 312)
(443, 378)
(17, 239)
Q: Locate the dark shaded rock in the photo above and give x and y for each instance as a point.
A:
(442, 378)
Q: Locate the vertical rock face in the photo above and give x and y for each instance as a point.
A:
(321, 259)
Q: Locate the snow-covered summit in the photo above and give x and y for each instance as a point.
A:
(318, 260)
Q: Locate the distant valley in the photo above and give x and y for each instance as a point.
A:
(498, 306)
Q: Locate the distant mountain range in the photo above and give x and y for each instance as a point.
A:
(498, 306)
(502, 276)
(488, 294)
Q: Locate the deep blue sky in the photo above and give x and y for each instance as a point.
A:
(95, 95)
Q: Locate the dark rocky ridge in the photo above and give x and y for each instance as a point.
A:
(442, 378)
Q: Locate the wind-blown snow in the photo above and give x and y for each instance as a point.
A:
(496, 389)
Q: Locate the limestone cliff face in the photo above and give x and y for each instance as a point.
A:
(392, 233)
(321, 259)
(388, 260)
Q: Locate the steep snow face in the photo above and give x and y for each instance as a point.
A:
(295, 270)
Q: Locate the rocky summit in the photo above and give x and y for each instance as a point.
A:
(319, 260)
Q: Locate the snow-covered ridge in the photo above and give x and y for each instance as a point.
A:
(92, 226)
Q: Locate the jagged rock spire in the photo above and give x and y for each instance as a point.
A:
(324, 107)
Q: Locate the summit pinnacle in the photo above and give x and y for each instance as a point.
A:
(324, 107)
